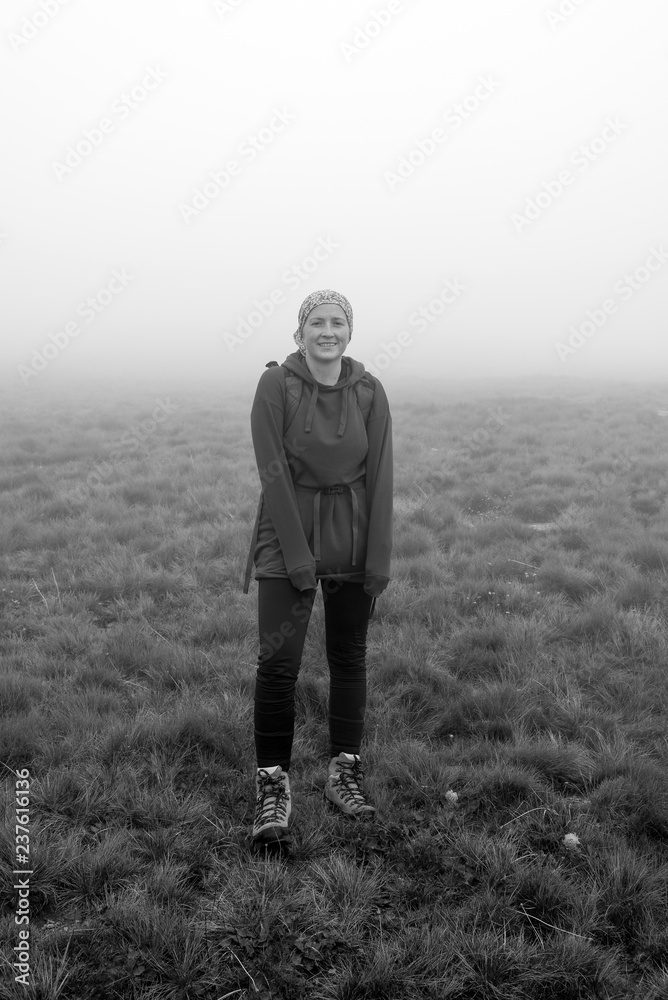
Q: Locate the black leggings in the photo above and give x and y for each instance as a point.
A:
(284, 614)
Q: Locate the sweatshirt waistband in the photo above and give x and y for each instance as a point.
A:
(341, 488)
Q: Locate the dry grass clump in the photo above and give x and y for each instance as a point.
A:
(650, 555)
(486, 712)
(517, 707)
(576, 584)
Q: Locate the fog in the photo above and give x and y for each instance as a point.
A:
(484, 181)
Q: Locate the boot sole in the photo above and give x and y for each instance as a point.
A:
(272, 848)
(271, 835)
(279, 845)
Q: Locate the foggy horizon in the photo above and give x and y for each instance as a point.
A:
(485, 185)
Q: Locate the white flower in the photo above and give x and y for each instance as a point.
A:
(571, 840)
(451, 797)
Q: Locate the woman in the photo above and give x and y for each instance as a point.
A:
(322, 435)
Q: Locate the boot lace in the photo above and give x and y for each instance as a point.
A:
(271, 799)
(349, 778)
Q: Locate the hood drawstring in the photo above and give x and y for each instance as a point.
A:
(344, 411)
(296, 364)
(311, 408)
(308, 423)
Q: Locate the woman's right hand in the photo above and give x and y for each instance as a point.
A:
(375, 585)
(303, 578)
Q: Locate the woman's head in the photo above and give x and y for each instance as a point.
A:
(325, 324)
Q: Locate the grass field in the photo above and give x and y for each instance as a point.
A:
(516, 743)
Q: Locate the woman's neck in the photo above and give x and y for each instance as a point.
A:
(328, 373)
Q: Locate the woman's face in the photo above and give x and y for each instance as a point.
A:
(326, 333)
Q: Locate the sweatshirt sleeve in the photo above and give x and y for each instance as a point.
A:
(277, 487)
(379, 478)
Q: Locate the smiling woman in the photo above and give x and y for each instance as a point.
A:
(322, 437)
(324, 335)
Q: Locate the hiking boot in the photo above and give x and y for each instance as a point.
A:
(344, 786)
(273, 806)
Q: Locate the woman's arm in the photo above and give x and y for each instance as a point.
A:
(379, 484)
(277, 487)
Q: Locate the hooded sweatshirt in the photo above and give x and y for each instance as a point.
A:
(326, 503)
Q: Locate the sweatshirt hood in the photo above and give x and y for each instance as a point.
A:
(296, 365)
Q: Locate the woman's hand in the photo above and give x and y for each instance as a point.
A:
(303, 578)
(375, 585)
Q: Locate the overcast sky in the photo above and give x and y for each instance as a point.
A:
(485, 181)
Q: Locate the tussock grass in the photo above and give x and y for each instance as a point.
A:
(518, 700)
